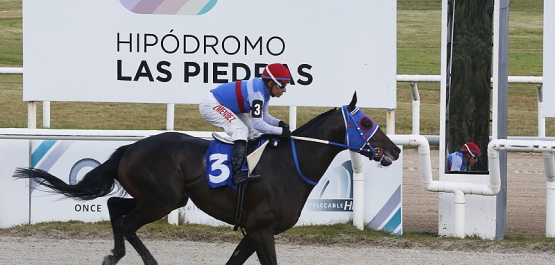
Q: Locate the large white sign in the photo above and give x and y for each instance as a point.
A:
(548, 59)
(174, 51)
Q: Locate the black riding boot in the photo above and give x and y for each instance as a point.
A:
(237, 160)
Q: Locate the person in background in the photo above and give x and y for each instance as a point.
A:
(228, 106)
(466, 158)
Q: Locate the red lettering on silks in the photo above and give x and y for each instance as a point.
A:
(229, 116)
(218, 108)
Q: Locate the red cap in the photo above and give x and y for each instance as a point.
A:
(276, 72)
(471, 148)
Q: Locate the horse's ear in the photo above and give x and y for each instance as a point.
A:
(353, 103)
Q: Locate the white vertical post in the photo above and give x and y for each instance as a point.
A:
(390, 122)
(32, 114)
(46, 114)
(173, 217)
(292, 117)
(415, 108)
(549, 165)
(460, 212)
(170, 116)
(358, 190)
(541, 119)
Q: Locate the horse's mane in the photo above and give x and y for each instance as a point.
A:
(315, 120)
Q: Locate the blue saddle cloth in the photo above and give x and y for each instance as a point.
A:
(218, 165)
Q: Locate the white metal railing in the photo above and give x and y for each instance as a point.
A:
(11, 70)
(412, 79)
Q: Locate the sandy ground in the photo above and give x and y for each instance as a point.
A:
(525, 216)
(75, 252)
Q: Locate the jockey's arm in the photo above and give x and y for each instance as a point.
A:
(269, 118)
(260, 125)
(262, 121)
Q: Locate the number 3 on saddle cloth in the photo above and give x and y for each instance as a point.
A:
(218, 163)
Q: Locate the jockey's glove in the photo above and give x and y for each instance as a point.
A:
(284, 125)
(286, 133)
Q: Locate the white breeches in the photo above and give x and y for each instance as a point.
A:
(238, 126)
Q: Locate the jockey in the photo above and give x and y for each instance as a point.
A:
(227, 105)
(467, 157)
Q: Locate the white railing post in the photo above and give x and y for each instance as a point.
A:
(32, 114)
(46, 114)
(173, 217)
(415, 108)
(358, 190)
(390, 121)
(541, 119)
(170, 116)
(292, 117)
(549, 166)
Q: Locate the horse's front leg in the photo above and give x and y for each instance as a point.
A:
(261, 241)
(242, 252)
(265, 247)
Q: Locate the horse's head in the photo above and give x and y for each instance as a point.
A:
(365, 137)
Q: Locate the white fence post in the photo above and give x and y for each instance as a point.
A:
(415, 108)
(170, 116)
(46, 114)
(541, 119)
(32, 114)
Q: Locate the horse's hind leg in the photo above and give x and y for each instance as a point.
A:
(141, 215)
(118, 207)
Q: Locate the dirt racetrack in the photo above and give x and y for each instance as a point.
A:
(76, 252)
(525, 216)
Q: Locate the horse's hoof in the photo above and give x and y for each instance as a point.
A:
(109, 260)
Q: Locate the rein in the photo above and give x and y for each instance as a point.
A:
(352, 129)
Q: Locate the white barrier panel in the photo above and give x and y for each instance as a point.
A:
(70, 161)
(480, 217)
(14, 195)
(21, 203)
(383, 196)
(331, 200)
(152, 52)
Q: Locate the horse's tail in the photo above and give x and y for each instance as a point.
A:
(97, 183)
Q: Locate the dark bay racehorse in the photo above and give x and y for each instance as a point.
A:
(162, 172)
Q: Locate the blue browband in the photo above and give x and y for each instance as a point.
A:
(356, 138)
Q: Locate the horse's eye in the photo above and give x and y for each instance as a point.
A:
(366, 123)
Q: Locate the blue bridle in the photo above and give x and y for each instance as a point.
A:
(356, 137)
